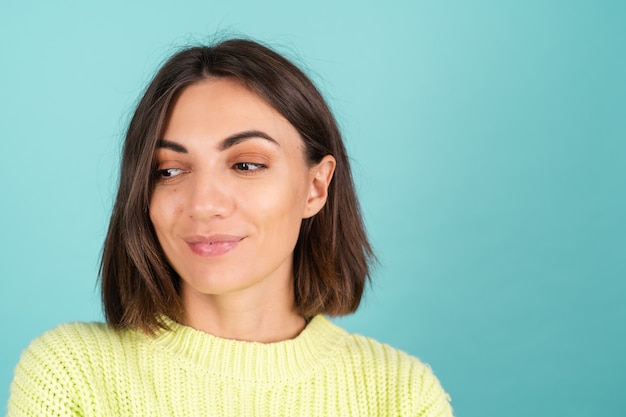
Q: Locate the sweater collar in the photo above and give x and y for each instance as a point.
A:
(254, 361)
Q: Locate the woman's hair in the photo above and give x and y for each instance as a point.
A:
(332, 254)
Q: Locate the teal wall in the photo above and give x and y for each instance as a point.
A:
(489, 147)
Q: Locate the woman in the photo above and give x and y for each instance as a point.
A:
(235, 230)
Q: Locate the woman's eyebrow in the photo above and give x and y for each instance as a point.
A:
(225, 144)
(242, 136)
(173, 146)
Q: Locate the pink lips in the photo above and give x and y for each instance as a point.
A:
(215, 245)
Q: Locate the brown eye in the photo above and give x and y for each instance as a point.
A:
(248, 166)
(167, 173)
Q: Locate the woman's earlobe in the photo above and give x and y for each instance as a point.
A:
(321, 176)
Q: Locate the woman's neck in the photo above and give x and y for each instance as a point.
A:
(248, 315)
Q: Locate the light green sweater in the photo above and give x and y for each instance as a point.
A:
(89, 369)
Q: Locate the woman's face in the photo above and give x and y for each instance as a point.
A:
(232, 188)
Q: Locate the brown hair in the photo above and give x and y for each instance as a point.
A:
(332, 254)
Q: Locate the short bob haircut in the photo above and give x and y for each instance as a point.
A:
(332, 254)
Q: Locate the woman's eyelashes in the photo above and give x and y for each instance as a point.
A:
(242, 162)
(248, 168)
(165, 174)
(244, 168)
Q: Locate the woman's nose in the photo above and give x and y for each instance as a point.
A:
(210, 197)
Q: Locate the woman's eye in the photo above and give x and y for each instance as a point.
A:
(168, 173)
(247, 167)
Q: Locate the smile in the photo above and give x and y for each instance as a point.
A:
(212, 246)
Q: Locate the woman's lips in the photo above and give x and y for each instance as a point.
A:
(215, 245)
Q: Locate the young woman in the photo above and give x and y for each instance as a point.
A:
(235, 230)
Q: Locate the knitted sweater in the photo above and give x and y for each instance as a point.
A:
(89, 369)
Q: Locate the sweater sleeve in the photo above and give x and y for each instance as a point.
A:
(42, 383)
(433, 401)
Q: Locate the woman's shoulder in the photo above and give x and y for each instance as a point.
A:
(60, 366)
(78, 337)
(72, 347)
(373, 353)
(76, 330)
(401, 378)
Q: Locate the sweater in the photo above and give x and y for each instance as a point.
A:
(91, 369)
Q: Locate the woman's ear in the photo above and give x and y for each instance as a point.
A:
(320, 177)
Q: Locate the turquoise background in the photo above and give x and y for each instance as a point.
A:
(489, 147)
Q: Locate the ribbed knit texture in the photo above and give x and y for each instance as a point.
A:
(89, 369)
